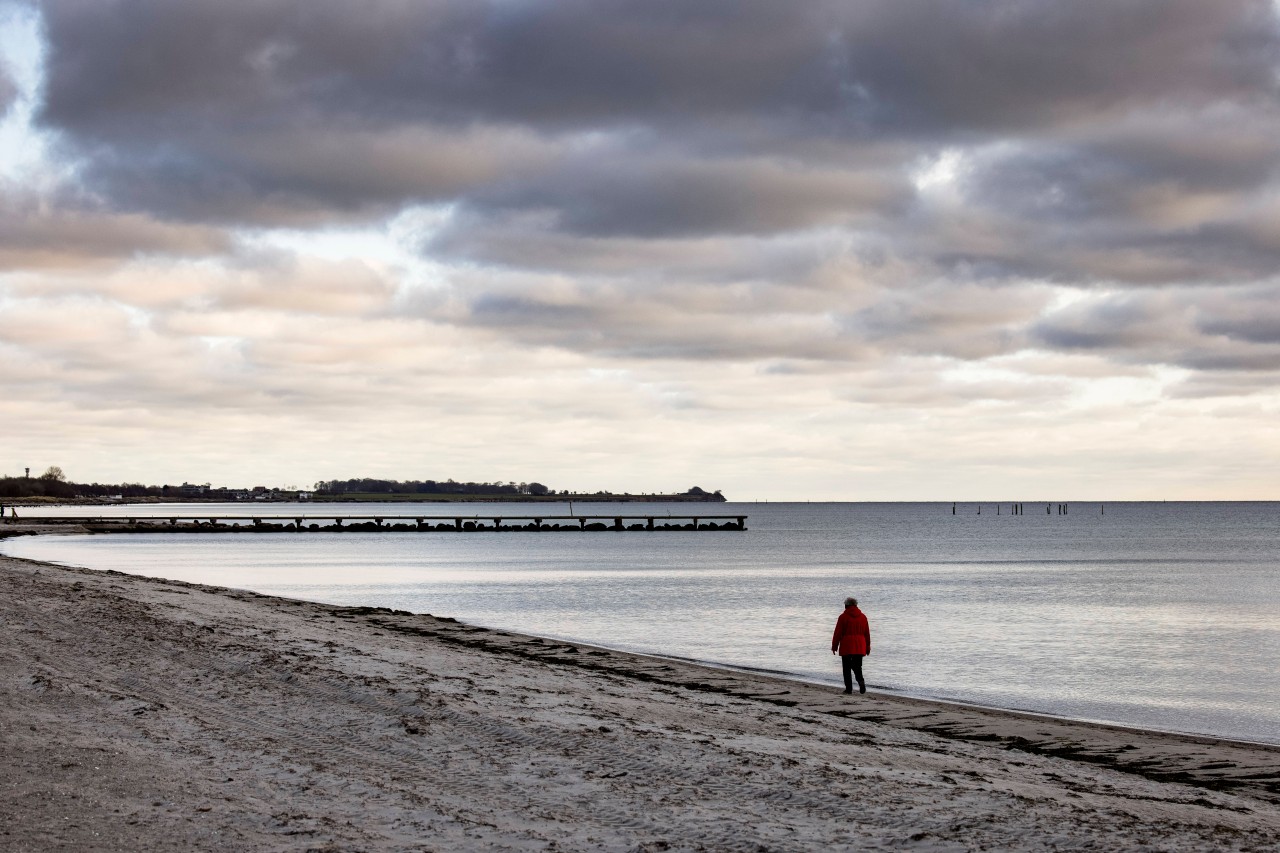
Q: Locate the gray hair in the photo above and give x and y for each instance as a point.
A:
(851, 602)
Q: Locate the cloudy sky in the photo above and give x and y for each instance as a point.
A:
(827, 249)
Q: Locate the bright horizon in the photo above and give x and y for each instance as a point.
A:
(815, 251)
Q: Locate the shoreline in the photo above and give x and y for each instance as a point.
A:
(35, 527)
(148, 714)
(961, 704)
(889, 692)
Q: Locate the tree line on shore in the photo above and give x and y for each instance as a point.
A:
(371, 486)
(367, 485)
(53, 484)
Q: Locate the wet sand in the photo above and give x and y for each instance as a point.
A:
(142, 714)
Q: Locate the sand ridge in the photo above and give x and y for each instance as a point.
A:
(146, 714)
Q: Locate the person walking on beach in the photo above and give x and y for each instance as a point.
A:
(852, 641)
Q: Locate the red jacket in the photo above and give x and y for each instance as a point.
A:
(853, 634)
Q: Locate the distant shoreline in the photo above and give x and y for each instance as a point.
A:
(364, 498)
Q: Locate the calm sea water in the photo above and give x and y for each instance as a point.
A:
(1160, 615)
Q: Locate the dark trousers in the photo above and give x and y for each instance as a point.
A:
(852, 666)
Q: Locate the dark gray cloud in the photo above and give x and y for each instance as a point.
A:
(299, 176)
(1012, 64)
(1168, 195)
(178, 106)
(622, 61)
(626, 194)
(1112, 324)
(1229, 330)
(1251, 316)
(8, 91)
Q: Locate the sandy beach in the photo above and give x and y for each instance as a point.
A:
(141, 714)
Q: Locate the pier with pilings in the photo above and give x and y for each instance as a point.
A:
(345, 522)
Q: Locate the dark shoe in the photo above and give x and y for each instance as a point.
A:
(862, 688)
(847, 692)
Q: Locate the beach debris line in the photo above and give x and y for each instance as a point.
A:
(339, 522)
